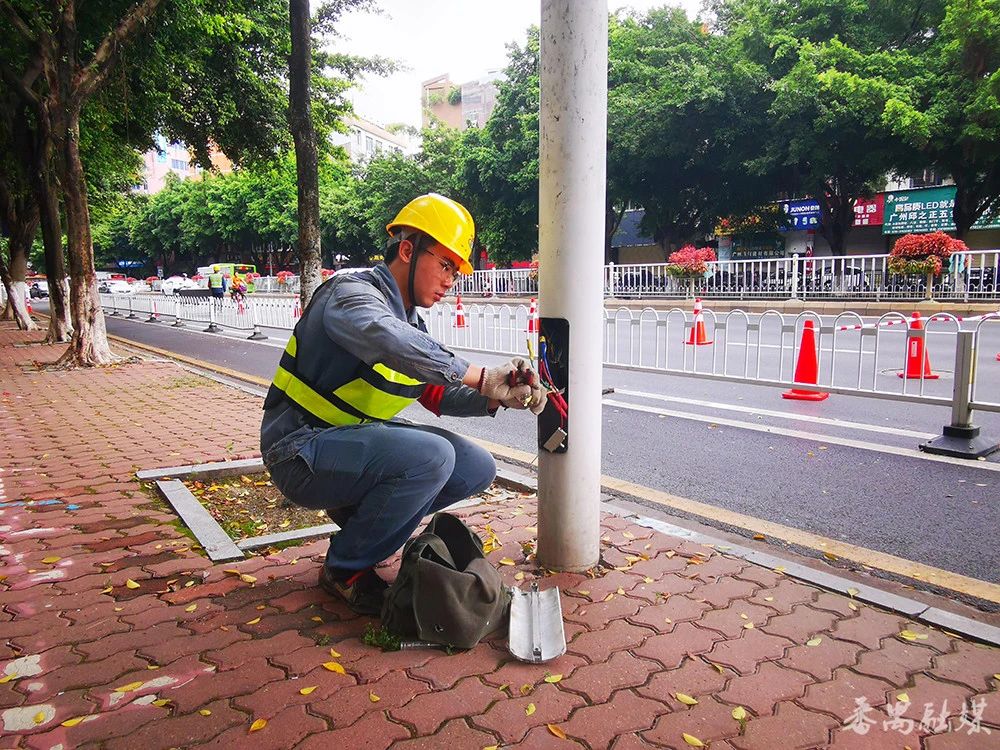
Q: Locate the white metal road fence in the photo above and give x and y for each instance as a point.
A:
(853, 357)
(972, 276)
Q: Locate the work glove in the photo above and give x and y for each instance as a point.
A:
(497, 384)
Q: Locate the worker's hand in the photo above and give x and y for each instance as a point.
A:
(538, 398)
(497, 384)
(525, 372)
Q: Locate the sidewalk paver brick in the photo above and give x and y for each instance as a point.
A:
(762, 691)
(662, 616)
(789, 727)
(509, 718)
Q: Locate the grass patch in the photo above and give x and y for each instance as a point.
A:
(379, 637)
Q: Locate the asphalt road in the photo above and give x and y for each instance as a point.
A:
(826, 467)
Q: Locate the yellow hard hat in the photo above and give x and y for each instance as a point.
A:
(447, 221)
(215, 267)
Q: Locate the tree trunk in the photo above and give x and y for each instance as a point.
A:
(836, 220)
(966, 210)
(41, 172)
(19, 219)
(89, 344)
(304, 135)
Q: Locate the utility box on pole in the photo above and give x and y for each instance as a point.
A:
(572, 182)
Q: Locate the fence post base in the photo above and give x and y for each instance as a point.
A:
(178, 323)
(256, 335)
(960, 442)
(212, 328)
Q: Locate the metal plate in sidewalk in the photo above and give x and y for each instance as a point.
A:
(536, 625)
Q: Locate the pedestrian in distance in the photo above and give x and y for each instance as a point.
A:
(217, 284)
(358, 356)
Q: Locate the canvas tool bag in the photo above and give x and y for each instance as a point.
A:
(446, 592)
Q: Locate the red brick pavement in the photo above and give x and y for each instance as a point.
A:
(665, 642)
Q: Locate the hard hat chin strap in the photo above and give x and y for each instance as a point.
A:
(419, 241)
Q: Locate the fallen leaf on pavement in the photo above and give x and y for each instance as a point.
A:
(39, 717)
(73, 722)
(553, 678)
(129, 687)
(739, 713)
(131, 584)
(204, 712)
(506, 561)
(254, 621)
(191, 608)
(530, 709)
(247, 578)
(373, 698)
(307, 690)
(258, 725)
(692, 740)
(814, 641)
(50, 560)
(686, 699)
(903, 698)
(334, 653)
(556, 731)
(334, 667)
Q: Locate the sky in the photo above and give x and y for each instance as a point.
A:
(429, 37)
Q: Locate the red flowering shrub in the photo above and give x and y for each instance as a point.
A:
(690, 262)
(284, 276)
(326, 273)
(923, 253)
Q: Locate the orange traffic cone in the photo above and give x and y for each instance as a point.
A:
(460, 314)
(918, 362)
(532, 318)
(806, 367)
(698, 336)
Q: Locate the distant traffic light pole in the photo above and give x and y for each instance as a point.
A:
(572, 176)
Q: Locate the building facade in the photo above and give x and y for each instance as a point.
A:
(459, 106)
(365, 139)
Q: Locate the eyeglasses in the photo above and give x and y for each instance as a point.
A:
(449, 268)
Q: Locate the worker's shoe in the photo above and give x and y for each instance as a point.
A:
(363, 590)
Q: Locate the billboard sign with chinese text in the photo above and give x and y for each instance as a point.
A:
(926, 210)
(759, 247)
(802, 214)
(868, 212)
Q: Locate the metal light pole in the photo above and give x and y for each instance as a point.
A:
(572, 176)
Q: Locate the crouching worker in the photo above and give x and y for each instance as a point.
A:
(357, 357)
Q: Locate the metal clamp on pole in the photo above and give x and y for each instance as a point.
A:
(961, 439)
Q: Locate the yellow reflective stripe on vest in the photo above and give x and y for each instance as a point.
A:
(359, 395)
(393, 376)
(366, 398)
(310, 400)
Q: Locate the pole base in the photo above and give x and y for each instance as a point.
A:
(178, 323)
(960, 442)
(256, 336)
(212, 328)
(151, 319)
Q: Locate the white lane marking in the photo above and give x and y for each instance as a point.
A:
(781, 414)
(812, 436)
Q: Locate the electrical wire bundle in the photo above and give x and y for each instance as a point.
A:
(545, 373)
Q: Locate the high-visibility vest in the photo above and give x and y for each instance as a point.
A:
(373, 393)
(215, 281)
